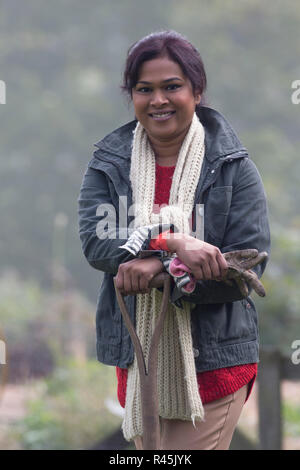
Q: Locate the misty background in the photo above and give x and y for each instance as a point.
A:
(62, 64)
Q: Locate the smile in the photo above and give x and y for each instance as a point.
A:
(162, 116)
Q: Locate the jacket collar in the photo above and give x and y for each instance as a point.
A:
(220, 138)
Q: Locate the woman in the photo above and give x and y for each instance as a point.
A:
(176, 155)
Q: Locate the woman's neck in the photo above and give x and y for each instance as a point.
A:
(166, 152)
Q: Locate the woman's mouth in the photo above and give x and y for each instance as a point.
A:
(162, 116)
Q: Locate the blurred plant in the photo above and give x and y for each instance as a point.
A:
(291, 419)
(52, 335)
(41, 327)
(279, 311)
(70, 410)
(20, 303)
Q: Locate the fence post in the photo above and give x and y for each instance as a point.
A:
(269, 399)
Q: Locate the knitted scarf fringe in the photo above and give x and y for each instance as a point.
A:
(178, 391)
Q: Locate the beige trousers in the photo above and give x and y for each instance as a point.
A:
(215, 433)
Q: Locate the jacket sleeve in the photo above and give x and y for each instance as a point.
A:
(247, 227)
(96, 212)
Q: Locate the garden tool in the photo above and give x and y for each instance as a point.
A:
(148, 372)
(239, 263)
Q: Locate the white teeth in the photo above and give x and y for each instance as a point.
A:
(162, 115)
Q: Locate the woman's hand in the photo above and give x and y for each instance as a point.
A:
(204, 260)
(134, 276)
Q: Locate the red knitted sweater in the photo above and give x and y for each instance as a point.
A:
(213, 384)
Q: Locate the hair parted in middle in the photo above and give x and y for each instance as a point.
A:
(170, 44)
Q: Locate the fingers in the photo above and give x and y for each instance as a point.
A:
(248, 253)
(136, 283)
(245, 259)
(143, 285)
(239, 255)
(242, 286)
(127, 281)
(260, 258)
(222, 263)
(133, 284)
(124, 281)
(158, 280)
(217, 266)
(212, 266)
(231, 265)
(120, 280)
(139, 283)
(206, 271)
(199, 274)
(134, 277)
(212, 270)
(252, 279)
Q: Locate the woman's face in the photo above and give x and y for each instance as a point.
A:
(163, 99)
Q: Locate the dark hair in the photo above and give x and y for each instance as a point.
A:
(171, 44)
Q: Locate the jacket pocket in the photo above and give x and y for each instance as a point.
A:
(216, 210)
(238, 325)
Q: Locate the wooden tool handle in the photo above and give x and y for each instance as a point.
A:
(158, 280)
(148, 375)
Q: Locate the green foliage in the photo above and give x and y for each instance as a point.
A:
(279, 315)
(41, 327)
(54, 332)
(291, 419)
(40, 429)
(20, 304)
(63, 67)
(62, 64)
(69, 411)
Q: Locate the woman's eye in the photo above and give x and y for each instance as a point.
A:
(173, 87)
(144, 89)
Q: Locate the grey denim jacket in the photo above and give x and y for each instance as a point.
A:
(224, 324)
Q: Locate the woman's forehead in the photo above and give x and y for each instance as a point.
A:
(160, 69)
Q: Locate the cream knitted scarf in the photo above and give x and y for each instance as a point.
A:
(177, 382)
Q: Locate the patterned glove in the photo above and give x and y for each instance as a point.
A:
(181, 274)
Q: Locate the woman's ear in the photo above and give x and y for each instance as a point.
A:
(197, 97)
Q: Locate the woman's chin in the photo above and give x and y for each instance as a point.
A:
(161, 132)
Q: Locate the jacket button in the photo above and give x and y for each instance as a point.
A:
(201, 211)
(212, 171)
(196, 352)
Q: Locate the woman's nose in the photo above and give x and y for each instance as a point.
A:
(158, 98)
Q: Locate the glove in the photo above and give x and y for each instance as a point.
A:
(181, 274)
(240, 263)
(239, 270)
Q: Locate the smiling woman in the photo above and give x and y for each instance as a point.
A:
(176, 154)
(166, 89)
(165, 106)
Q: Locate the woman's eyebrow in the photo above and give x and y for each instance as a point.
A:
(164, 81)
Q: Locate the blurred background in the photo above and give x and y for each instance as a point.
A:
(62, 64)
